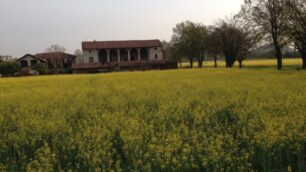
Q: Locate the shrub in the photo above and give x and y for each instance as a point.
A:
(9, 68)
(42, 68)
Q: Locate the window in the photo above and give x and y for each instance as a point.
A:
(91, 59)
(156, 56)
(89, 51)
(156, 49)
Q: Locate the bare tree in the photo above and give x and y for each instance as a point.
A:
(55, 48)
(202, 36)
(235, 40)
(79, 55)
(297, 25)
(271, 18)
(250, 38)
(213, 47)
(167, 50)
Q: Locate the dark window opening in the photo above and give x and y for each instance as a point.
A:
(103, 56)
(113, 55)
(123, 55)
(91, 59)
(144, 54)
(134, 55)
(24, 63)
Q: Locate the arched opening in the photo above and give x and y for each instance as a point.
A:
(123, 55)
(113, 56)
(134, 55)
(144, 54)
(103, 56)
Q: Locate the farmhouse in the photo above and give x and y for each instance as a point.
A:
(57, 62)
(105, 56)
(28, 63)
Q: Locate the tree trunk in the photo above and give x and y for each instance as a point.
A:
(279, 57)
(180, 62)
(191, 62)
(229, 62)
(303, 52)
(278, 51)
(226, 62)
(215, 59)
(240, 63)
(200, 62)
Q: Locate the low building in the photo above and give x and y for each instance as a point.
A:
(6, 58)
(107, 56)
(58, 62)
(28, 63)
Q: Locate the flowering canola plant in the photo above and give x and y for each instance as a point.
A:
(177, 120)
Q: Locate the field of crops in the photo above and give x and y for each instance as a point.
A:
(257, 63)
(180, 120)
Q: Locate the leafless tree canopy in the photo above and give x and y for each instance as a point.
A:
(260, 22)
(271, 17)
(296, 27)
(235, 40)
(55, 48)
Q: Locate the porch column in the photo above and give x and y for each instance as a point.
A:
(118, 52)
(129, 54)
(138, 50)
(108, 56)
(28, 62)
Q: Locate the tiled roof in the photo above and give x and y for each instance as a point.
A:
(120, 44)
(58, 55)
(35, 57)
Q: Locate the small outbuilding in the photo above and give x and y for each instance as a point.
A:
(28, 63)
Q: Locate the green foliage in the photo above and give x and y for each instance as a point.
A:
(42, 68)
(184, 120)
(9, 68)
(189, 41)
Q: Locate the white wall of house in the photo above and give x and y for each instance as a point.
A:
(91, 53)
(6, 58)
(28, 59)
(155, 53)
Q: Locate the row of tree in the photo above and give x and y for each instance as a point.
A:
(260, 22)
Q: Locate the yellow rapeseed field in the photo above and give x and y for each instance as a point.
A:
(267, 63)
(177, 120)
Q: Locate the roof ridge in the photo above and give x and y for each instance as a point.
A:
(121, 44)
(134, 40)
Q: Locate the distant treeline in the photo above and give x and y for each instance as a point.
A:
(271, 55)
(276, 24)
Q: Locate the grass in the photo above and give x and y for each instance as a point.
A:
(177, 120)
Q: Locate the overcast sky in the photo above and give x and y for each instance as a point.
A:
(30, 26)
